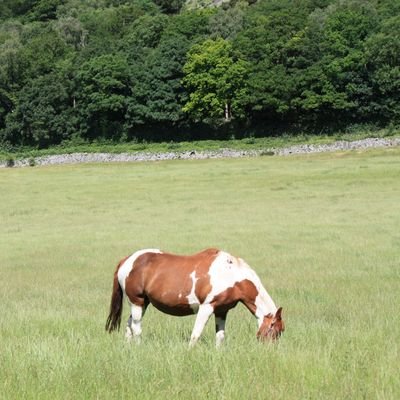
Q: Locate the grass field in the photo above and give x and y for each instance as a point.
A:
(322, 232)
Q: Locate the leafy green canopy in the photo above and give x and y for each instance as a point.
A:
(215, 80)
(166, 70)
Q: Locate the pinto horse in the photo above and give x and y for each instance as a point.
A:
(209, 282)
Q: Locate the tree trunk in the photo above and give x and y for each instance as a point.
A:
(228, 114)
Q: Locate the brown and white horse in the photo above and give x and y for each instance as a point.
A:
(210, 282)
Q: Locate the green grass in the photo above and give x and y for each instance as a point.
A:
(322, 231)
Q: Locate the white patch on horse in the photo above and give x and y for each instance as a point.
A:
(224, 272)
(264, 304)
(127, 266)
(192, 299)
(204, 312)
(227, 270)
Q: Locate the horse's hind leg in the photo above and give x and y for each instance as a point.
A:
(128, 331)
(134, 325)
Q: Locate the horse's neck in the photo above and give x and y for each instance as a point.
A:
(263, 303)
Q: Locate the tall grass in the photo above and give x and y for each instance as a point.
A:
(322, 231)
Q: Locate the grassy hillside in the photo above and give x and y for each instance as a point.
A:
(321, 231)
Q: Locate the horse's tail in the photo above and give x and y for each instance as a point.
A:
(114, 317)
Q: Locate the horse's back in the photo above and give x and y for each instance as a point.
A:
(172, 283)
(171, 272)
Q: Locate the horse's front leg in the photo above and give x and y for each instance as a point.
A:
(204, 313)
(220, 320)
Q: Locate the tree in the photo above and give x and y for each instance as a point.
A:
(102, 90)
(42, 51)
(155, 107)
(15, 8)
(227, 23)
(44, 10)
(331, 78)
(383, 55)
(170, 6)
(6, 105)
(215, 79)
(43, 115)
(268, 27)
(11, 67)
(72, 32)
(142, 36)
(156, 98)
(106, 26)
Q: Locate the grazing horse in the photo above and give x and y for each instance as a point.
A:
(210, 282)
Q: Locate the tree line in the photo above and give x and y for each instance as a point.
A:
(169, 70)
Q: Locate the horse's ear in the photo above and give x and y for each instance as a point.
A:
(278, 314)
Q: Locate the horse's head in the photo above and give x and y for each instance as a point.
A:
(271, 327)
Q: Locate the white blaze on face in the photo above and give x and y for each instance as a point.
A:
(127, 266)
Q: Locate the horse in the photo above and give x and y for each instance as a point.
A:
(210, 282)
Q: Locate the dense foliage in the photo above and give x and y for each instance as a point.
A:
(172, 70)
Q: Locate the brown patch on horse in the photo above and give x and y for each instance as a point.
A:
(202, 268)
(164, 280)
(244, 291)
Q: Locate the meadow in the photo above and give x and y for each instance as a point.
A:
(322, 231)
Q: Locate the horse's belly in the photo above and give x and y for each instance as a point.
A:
(172, 308)
(172, 294)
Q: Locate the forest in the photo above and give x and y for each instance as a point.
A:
(172, 70)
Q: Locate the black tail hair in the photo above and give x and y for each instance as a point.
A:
(114, 317)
